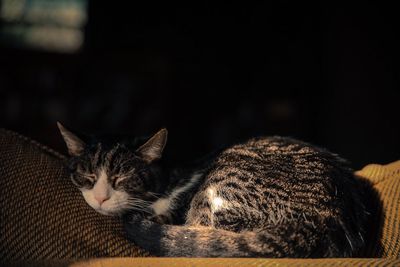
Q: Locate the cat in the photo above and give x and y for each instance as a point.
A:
(266, 197)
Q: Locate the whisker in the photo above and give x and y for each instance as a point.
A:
(140, 201)
(141, 209)
(154, 194)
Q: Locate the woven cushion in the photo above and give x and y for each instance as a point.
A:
(385, 180)
(43, 215)
(230, 262)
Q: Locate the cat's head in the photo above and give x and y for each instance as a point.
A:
(115, 175)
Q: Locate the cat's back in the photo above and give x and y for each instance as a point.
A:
(277, 158)
(273, 145)
(274, 180)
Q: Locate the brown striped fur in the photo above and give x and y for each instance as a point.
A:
(267, 197)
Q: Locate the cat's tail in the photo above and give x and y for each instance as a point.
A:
(277, 242)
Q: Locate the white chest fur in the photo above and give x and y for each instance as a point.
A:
(164, 205)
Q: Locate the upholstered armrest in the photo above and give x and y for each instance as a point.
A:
(42, 215)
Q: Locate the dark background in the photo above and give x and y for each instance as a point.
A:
(217, 74)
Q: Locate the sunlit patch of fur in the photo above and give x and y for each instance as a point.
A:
(216, 202)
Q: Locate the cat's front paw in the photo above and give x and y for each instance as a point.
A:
(144, 234)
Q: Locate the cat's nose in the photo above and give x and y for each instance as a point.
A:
(101, 199)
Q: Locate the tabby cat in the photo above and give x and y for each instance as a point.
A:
(267, 197)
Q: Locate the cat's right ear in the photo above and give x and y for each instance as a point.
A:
(153, 148)
(74, 144)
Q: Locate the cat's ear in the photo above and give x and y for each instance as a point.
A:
(74, 144)
(153, 148)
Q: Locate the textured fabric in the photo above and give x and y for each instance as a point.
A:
(43, 215)
(208, 262)
(385, 179)
(193, 262)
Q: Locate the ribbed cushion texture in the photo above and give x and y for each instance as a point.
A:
(44, 217)
(385, 180)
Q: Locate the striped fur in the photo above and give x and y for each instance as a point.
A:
(267, 197)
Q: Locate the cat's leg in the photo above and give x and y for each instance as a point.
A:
(199, 241)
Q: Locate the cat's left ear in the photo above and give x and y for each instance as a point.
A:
(153, 148)
(74, 144)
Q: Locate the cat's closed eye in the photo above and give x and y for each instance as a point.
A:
(83, 180)
(116, 179)
(90, 177)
